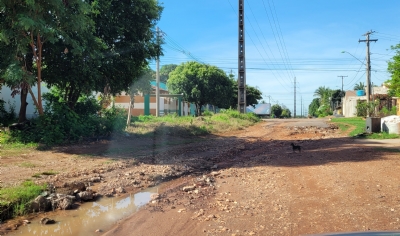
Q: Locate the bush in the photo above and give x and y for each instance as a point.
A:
(236, 114)
(6, 117)
(60, 124)
(207, 113)
(364, 108)
(386, 112)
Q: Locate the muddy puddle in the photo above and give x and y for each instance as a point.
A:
(89, 217)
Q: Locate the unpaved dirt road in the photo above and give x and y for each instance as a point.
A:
(247, 182)
(334, 185)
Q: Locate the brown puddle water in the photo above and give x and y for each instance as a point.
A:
(89, 217)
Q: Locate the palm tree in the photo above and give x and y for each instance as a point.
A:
(359, 86)
(322, 92)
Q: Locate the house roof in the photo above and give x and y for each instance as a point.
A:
(350, 93)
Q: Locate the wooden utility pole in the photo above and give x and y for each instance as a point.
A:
(342, 79)
(241, 62)
(367, 40)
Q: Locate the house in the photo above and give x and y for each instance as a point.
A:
(146, 104)
(352, 98)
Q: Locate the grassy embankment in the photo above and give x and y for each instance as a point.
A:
(14, 200)
(357, 127)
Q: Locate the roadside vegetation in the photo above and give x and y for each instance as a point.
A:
(355, 126)
(14, 201)
(209, 123)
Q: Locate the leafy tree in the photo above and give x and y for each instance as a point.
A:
(201, 84)
(323, 93)
(286, 113)
(359, 86)
(276, 110)
(76, 46)
(253, 94)
(336, 98)
(27, 27)
(165, 70)
(313, 107)
(115, 53)
(394, 70)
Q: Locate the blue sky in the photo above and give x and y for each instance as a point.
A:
(285, 39)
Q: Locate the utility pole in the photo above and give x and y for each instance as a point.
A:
(301, 106)
(367, 40)
(241, 62)
(294, 110)
(158, 77)
(269, 99)
(342, 79)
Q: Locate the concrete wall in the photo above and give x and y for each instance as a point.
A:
(5, 94)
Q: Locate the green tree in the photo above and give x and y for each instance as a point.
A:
(323, 93)
(276, 110)
(201, 84)
(27, 27)
(286, 113)
(313, 107)
(359, 86)
(253, 94)
(115, 54)
(394, 70)
(165, 70)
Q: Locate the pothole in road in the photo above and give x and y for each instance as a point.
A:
(89, 217)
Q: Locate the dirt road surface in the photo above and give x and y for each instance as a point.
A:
(247, 182)
(336, 184)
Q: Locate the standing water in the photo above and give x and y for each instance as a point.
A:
(89, 217)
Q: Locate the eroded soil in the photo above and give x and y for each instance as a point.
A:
(247, 182)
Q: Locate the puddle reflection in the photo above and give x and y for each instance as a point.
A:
(89, 217)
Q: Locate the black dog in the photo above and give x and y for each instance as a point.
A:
(296, 147)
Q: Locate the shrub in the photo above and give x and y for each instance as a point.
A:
(207, 113)
(6, 117)
(60, 124)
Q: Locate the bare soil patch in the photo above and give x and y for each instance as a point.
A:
(246, 182)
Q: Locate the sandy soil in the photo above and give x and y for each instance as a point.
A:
(247, 182)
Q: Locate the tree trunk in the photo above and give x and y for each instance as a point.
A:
(24, 104)
(24, 87)
(128, 120)
(38, 47)
(198, 108)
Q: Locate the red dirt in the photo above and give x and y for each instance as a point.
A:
(333, 185)
(256, 184)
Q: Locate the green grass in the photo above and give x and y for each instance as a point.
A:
(226, 120)
(345, 123)
(9, 147)
(37, 175)
(382, 135)
(20, 196)
(27, 165)
(359, 124)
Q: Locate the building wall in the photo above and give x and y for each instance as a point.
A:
(398, 106)
(349, 105)
(167, 105)
(5, 94)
